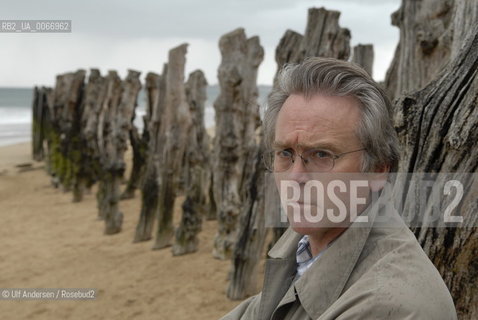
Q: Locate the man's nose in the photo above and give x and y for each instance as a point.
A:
(298, 172)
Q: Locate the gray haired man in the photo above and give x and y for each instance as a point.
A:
(328, 117)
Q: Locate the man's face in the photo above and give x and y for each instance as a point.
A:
(321, 122)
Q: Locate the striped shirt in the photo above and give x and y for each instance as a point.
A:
(304, 255)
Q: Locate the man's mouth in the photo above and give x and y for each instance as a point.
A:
(302, 203)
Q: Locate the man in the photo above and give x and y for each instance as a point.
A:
(328, 117)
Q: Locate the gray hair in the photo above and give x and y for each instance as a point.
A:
(339, 78)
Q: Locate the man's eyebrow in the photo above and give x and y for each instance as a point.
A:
(280, 145)
(318, 145)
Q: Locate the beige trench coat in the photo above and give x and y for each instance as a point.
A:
(376, 270)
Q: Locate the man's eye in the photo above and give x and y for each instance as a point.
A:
(320, 154)
(284, 154)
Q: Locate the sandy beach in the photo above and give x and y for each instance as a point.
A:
(50, 242)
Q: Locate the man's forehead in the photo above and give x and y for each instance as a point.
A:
(327, 107)
(320, 121)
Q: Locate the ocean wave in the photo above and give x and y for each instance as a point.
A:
(15, 115)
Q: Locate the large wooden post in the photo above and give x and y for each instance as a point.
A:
(175, 126)
(437, 127)
(114, 124)
(363, 56)
(195, 168)
(323, 37)
(424, 47)
(65, 134)
(40, 121)
(251, 232)
(237, 118)
(156, 91)
(95, 91)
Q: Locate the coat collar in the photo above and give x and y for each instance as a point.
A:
(332, 271)
(286, 246)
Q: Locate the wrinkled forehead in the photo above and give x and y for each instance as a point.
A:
(327, 108)
(319, 116)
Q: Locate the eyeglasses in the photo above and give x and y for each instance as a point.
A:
(315, 160)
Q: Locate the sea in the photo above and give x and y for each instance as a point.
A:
(16, 111)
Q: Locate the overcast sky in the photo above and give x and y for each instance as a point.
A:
(120, 34)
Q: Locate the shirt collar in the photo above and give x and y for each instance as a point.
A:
(304, 256)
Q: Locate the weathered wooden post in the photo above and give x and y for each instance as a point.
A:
(94, 93)
(139, 144)
(105, 127)
(424, 47)
(65, 134)
(237, 118)
(156, 91)
(115, 121)
(195, 168)
(323, 37)
(40, 121)
(363, 56)
(175, 126)
(252, 230)
(437, 127)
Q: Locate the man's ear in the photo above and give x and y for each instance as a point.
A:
(378, 178)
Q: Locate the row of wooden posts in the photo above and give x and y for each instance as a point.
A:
(86, 127)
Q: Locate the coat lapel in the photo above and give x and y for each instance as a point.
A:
(330, 272)
(279, 273)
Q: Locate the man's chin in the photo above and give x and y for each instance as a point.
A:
(305, 224)
(301, 229)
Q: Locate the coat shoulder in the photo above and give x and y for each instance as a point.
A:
(396, 279)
